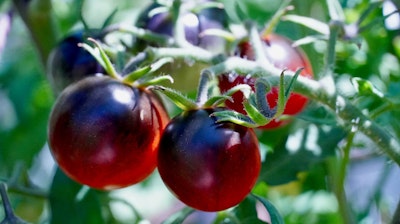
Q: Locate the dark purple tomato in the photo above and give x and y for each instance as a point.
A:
(105, 134)
(207, 165)
(194, 25)
(69, 63)
(282, 54)
(185, 74)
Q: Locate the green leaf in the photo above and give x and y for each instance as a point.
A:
(69, 204)
(246, 211)
(275, 216)
(298, 152)
(179, 217)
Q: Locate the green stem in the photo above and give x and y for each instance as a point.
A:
(396, 216)
(10, 217)
(139, 33)
(202, 92)
(179, 28)
(193, 54)
(39, 19)
(344, 208)
(256, 43)
(345, 161)
(335, 27)
(27, 191)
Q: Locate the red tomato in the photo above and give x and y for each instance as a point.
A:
(104, 133)
(282, 54)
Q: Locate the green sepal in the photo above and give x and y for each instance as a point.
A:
(176, 97)
(283, 94)
(154, 80)
(216, 100)
(291, 83)
(226, 35)
(137, 74)
(93, 52)
(254, 114)
(159, 63)
(102, 58)
(234, 117)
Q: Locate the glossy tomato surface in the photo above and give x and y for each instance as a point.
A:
(282, 54)
(194, 24)
(105, 134)
(69, 63)
(207, 165)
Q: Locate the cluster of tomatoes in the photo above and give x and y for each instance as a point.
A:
(109, 134)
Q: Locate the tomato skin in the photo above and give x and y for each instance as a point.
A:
(280, 52)
(194, 24)
(207, 165)
(69, 63)
(105, 134)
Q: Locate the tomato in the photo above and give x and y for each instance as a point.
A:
(104, 133)
(69, 63)
(207, 165)
(194, 24)
(282, 54)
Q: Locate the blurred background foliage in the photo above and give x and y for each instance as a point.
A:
(302, 182)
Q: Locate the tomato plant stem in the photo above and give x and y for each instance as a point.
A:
(139, 33)
(39, 19)
(256, 44)
(10, 217)
(338, 189)
(331, 52)
(202, 92)
(345, 161)
(396, 216)
(341, 177)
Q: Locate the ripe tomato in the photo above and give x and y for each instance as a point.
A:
(184, 72)
(280, 52)
(194, 24)
(69, 63)
(105, 134)
(207, 165)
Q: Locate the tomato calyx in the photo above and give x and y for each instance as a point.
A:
(140, 77)
(256, 106)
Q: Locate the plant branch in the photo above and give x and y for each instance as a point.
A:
(39, 19)
(396, 216)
